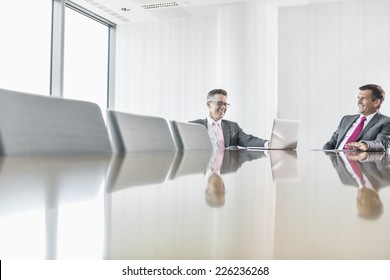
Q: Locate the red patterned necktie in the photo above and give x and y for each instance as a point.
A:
(356, 132)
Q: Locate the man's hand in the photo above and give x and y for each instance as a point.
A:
(357, 156)
(358, 146)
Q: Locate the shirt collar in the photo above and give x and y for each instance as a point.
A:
(210, 121)
(369, 117)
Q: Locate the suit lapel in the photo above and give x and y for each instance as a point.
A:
(344, 174)
(345, 129)
(373, 121)
(226, 133)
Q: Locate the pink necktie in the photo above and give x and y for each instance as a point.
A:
(218, 159)
(220, 140)
(356, 132)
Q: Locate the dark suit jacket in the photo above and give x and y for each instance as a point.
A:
(234, 135)
(376, 171)
(376, 133)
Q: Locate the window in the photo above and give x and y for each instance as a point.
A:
(25, 28)
(26, 65)
(86, 58)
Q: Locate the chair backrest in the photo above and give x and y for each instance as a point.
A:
(191, 136)
(32, 124)
(132, 133)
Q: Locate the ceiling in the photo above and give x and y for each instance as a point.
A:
(130, 11)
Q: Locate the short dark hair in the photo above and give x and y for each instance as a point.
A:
(377, 92)
(369, 204)
(213, 92)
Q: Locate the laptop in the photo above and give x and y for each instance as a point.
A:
(284, 135)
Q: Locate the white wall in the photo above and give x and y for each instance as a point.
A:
(303, 62)
(326, 51)
(166, 68)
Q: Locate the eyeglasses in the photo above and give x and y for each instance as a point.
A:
(220, 103)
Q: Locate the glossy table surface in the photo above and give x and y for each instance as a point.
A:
(196, 205)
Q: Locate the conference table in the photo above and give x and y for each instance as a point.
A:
(203, 205)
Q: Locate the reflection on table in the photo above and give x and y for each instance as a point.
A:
(369, 173)
(233, 204)
(46, 201)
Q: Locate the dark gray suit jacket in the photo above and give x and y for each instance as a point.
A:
(234, 135)
(376, 133)
(376, 171)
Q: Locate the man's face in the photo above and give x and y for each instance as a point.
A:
(217, 112)
(365, 104)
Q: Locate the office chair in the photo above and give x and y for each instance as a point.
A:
(191, 136)
(32, 124)
(132, 133)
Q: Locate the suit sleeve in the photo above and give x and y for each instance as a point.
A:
(382, 140)
(331, 144)
(246, 140)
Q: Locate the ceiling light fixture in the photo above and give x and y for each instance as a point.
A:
(160, 5)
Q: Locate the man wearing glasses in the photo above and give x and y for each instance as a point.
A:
(224, 133)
